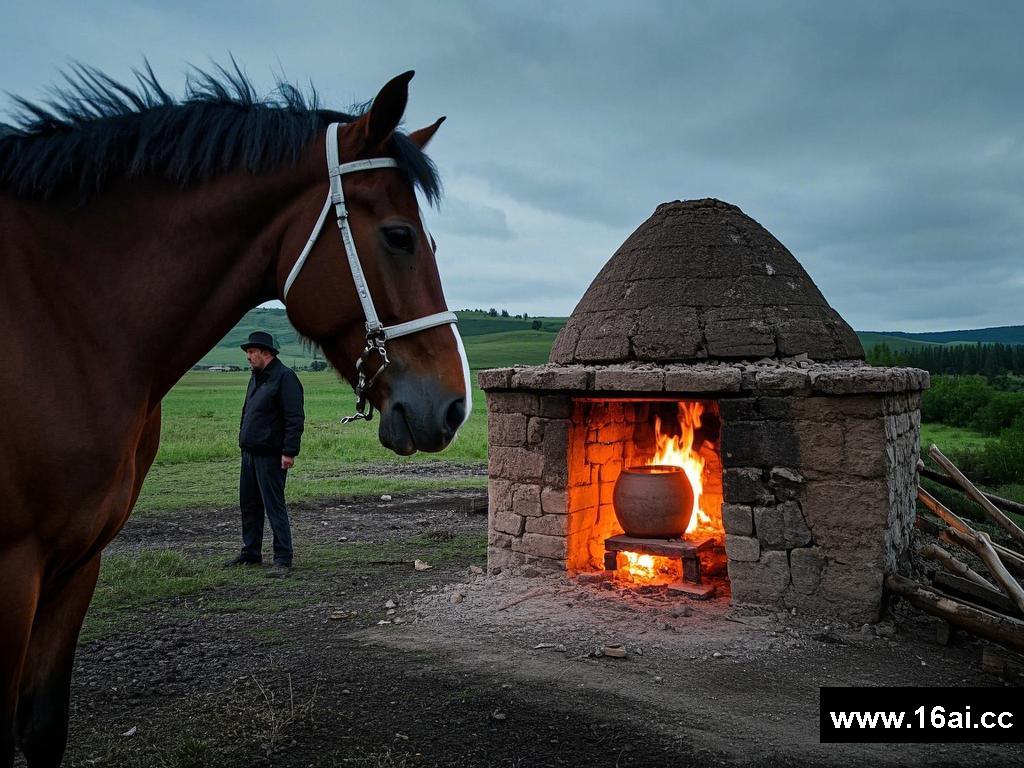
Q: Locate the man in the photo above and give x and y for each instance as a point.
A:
(269, 436)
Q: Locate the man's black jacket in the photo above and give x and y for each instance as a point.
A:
(272, 417)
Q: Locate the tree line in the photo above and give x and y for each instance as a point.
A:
(988, 360)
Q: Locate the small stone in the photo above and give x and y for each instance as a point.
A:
(616, 651)
(476, 570)
(390, 604)
(498, 715)
(657, 679)
(456, 597)
(793, 612)
(420, 565)
(385, 497)
(682, 611)
(716, 655)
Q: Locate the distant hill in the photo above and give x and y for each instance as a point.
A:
(496, 341)
(1003, 334)
(490, 341)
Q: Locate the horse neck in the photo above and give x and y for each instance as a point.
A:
(177, 269)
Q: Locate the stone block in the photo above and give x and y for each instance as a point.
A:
(512, 402)
(738, 519)
(745, 485)
(668, 333)
(785, 483)
(526, 500)
(759, 444)
(687, 379)
(542, 545)
(549, 525)
(499, 495)
(600, 453)
(820, 447)
(866, 379)
(495, 378)
(553, 377)
(515, 463)
(555, 407)
(496, 538)
(864, 446)
(796, 533)
(553, 501)
(501, 559)
(535, 430)
(728, 336)
(847, 516)
(509, 523)
(782, 380)
(806, 565)
(852, 590)
(770, 528)
(555, 449)
(507, 429)
(629, 379)
(760, 583)
(742, 548)
(739, 409)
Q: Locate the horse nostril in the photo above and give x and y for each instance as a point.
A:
(455, 415)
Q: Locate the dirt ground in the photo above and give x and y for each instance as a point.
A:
(363, 660)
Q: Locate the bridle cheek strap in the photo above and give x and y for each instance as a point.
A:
(376, 332)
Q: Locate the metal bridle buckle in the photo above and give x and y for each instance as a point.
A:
(364, 408)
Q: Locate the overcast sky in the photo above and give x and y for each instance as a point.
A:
(881, 142)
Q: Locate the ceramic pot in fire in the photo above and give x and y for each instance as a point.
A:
(653, 502)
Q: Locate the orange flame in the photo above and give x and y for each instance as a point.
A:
(678, 452)
(650, 568)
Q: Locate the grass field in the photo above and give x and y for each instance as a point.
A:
(197, 465)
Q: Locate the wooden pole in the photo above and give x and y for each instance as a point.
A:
(941, 511)
(996, 514)
(953, 565)
(1007, 505)
(1014, 563)
(1001, 629)
(981, 545)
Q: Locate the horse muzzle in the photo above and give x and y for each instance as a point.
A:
(420, 414)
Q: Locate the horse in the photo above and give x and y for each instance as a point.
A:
(136, 230)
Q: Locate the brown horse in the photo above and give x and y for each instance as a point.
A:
(135, 231)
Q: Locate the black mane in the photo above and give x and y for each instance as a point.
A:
(94, 129)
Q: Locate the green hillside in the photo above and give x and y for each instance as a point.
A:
(490, 341)
(871, 339)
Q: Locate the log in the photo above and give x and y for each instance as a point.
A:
(953, 565)
(989, 625)
(985, 597)
(981, 545)
(1016, 533)
(1007, 505)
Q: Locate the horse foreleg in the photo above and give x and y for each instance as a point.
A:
(46, 677)
(19, 574)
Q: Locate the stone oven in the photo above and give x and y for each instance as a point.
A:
(704, 340)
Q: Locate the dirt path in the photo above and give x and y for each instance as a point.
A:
(458, 676)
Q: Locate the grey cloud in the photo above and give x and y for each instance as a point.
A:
(463, 217)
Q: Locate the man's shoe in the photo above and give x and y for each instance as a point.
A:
(242, 560)
(279, 571)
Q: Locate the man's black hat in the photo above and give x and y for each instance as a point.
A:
(261, 339)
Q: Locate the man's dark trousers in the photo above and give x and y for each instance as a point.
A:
(261, 489)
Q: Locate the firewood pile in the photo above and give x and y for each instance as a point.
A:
(989, 605)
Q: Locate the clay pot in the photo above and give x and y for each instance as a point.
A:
(653, 502)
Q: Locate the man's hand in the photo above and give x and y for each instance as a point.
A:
(287, 462)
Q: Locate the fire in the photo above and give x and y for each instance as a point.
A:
(678, 451)
(650, 568)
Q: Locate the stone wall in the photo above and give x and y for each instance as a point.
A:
(819, 471)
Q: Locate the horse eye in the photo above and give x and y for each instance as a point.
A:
(400, 238)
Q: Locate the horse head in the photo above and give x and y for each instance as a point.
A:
(415, 375)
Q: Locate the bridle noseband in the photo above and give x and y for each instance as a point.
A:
(377, 334)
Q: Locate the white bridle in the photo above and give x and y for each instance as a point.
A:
(377, 334)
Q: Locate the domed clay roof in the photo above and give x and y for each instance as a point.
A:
(702, 280)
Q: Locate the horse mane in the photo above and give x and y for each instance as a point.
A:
(93, 130)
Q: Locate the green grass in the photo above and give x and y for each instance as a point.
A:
(950, 439)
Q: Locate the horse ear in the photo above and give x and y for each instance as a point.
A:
(388, 108)
(423, 136)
